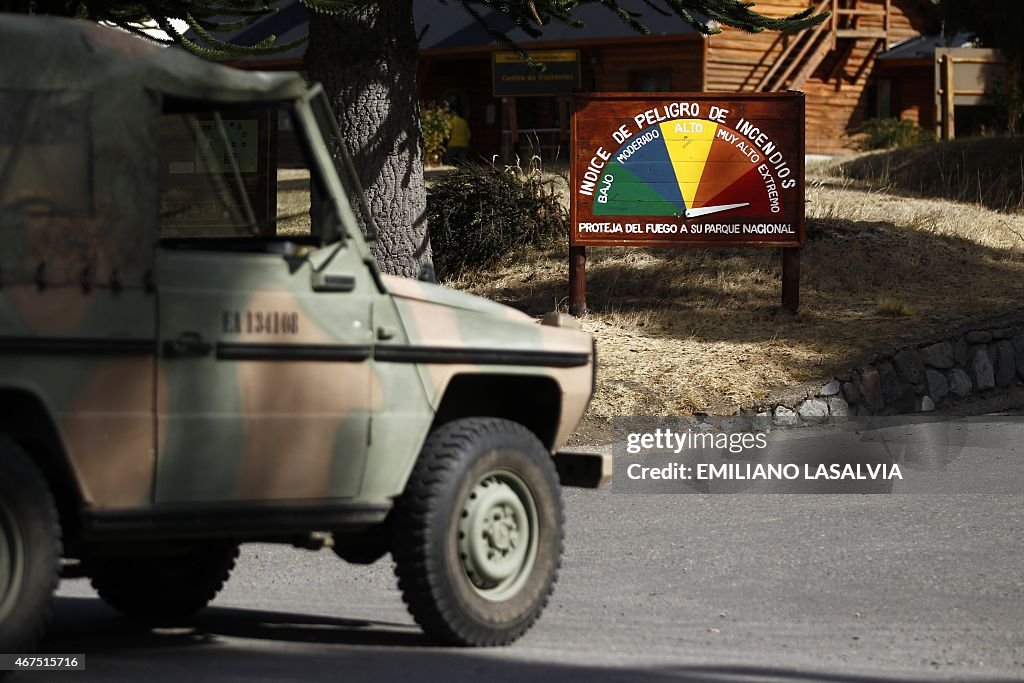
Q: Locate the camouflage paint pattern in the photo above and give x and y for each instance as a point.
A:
(259, 429)
(437, 317)
(102, 403)
(117, 83)
(203, 374)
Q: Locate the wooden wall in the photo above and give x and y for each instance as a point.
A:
(605, 66)
(913, 94)
(683, 57)
(737, 61)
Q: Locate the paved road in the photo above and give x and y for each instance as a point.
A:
(716, 589)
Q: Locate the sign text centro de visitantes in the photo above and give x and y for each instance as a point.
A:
(688, 170)
(513, 77)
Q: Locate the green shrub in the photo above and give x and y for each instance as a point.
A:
(479, 213)
(891, 133)
(436, 124)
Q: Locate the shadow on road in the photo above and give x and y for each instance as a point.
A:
(227, 644)
(90, 626)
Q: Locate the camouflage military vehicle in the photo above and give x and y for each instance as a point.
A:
(184, 369)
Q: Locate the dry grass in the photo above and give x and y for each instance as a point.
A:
(894, 308)
(989, 171)
(293, 201)
(681, 331)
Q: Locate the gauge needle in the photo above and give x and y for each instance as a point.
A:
(705, 210)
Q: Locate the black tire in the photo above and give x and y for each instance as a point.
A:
(171, 585)
(486, 479)
(30, 550)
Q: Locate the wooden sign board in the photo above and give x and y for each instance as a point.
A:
(978, 73)
(965, 77)
(513, 77)
(688, 170)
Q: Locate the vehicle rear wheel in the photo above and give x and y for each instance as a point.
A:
(169, 585)
(30, 550)
(477, 535)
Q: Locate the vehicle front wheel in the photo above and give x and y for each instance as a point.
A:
(30, 550)
(477, 534)
(172, 584)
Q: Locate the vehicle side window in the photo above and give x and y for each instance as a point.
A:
(235, 173)
(45, 146)
(200, 192)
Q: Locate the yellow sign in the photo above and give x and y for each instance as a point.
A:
(513, 77)
(551, 56)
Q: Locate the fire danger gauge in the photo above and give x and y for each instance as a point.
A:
(688, 170)
(662, 172)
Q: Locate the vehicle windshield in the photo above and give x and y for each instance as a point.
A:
(239, 172)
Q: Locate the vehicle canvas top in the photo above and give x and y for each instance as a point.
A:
(79, 159)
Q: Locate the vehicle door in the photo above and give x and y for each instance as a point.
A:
(265, 342)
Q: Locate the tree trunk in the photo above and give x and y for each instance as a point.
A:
(366, 61)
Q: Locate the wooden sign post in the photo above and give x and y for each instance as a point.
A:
(687, 170)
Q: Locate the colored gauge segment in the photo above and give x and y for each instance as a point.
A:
(680, 165)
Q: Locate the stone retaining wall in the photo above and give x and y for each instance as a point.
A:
(973, 361)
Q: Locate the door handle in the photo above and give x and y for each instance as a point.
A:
(323, 282)
(187, 345)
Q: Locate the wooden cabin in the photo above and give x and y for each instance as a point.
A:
(835, 64)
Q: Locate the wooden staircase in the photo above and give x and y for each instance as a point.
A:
(803, 53)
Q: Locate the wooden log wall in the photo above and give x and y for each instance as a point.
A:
(913, 94)
(835, 106)
(682, 56)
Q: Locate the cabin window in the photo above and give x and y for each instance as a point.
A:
(45, 148)
(650, 80)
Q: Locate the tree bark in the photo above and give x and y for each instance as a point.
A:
(366, 60)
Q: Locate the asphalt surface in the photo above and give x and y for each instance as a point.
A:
(718, 589)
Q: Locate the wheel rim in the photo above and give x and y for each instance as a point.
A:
(12, 560)
(498, 535)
